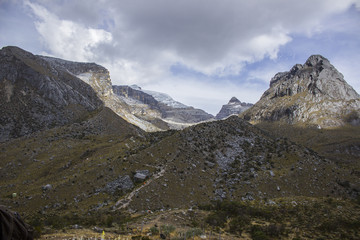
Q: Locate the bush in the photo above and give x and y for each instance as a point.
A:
(257, 233)
(216, 219)
(154, 230)
(109, 221)
(167, 229)
(193, 232)
(275, 230)
(37, 224)
(237, 225)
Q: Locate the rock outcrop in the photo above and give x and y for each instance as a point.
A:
(312, 94)
(234, 107)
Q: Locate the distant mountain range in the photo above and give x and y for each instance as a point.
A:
(145, 103)
(61, 84)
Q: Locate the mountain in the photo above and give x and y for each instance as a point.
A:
(228, 159)
(68, 160)
(234, 107)
(144, 103)
(311, 94)
(28, 81)
(35, 96)
(99, 79)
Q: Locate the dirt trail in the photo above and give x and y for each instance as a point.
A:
(124, 202)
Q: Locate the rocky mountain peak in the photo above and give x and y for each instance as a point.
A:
(234, 107)
(312, 93)
(234, 100)
(315, 60)
(315, 63)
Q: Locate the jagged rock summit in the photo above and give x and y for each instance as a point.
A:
(312, 94)
(234, 107)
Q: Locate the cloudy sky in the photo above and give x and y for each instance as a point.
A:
(201, 52)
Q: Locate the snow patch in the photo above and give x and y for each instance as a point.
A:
(165, 99)
(85, 77)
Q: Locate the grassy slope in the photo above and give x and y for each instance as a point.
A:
(79, 160)
(341, 145)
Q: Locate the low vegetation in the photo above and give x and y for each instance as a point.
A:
(298, 218)
(284, 218)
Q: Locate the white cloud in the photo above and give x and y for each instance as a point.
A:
(215, 37)
(139, 40)
(67, 39)
(268, 44)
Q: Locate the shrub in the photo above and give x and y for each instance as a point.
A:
(275, 230)
(216, 219)
(109, 221)
(154, 230)
(167, 229)
(257, 233)
(193, 232)
(237, 225)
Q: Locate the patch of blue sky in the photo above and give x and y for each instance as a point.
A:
(17, 27)
(244, 77)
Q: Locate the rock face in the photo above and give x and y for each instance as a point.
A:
(35, 95)
(312, 94)
(41, 92)
(234, 107)
(98, 78)
(145, 104)
(122, 184)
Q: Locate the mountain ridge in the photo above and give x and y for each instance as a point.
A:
(36, 96)
(314, 93)
(92, 166)
(175, 114)
(60, 81)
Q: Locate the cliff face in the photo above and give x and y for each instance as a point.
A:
(234, 107)
(35, 95)
(314, 93)
(95, 75)
(99, 79)
(151, 111)
(137, 95)
(40, 92)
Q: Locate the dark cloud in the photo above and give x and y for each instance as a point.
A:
(209, 36)
(209, 31)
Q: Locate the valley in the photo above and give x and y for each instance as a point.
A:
(80, 156)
